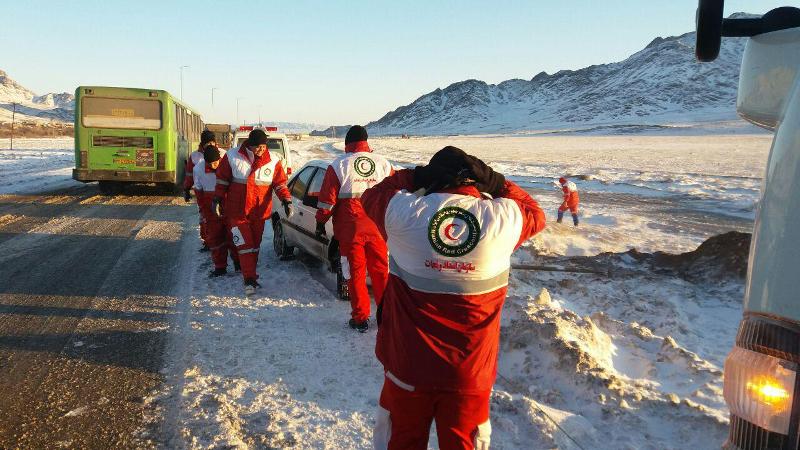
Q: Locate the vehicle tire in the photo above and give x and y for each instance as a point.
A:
(342, 289)
(282, 248)
(110, 187)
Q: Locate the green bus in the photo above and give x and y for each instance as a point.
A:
(129, 135)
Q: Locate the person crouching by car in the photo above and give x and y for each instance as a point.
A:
(451, 227)
(361, 245)
(246, 178)
(216, 233)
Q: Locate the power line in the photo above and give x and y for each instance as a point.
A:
(519, 390)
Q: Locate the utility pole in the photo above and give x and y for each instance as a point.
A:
(259, 115)
(13, 113)
(212, 96)
(182, 67)
(237, 109)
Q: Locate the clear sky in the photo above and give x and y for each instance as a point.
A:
(329, 61)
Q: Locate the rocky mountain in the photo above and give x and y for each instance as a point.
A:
(332, 131)
(30, 107)
(660, 84)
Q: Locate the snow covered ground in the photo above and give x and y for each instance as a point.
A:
(631, 361)
(36, 164)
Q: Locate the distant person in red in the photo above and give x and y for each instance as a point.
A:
(570, 200)
(246, 178)
(207, 138)
(216, 233)
(451, 227)
(360, 243)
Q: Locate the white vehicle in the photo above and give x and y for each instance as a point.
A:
(300, 230)
(762, 386)
(276, 143)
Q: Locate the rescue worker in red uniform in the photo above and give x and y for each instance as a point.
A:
(217, 236)
(570, 202)
(246, 178)
(361, 245)
(207, 138)
(451, 227)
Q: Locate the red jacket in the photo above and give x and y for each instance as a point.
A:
(449, 261)
(570, 197)
(346, 178)
(245, 182)
(188, 178)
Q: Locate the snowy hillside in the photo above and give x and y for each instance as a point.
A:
(661, 84)
(33, 108)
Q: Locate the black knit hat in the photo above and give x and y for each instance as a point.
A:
(256, 138)
(207, 136)
(452, 159)
(356, 133)
(211, 154)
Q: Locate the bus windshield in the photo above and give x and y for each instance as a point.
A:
(136, 114)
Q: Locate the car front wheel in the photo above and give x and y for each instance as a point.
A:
(282, 248)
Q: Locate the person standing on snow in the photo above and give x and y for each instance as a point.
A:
(361, 245)
(245, 180)
(570, 200)
(207, 138)
(451, 227)
(217, 236)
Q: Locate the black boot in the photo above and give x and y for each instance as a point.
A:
(237, 267)
(250, 286)
(361, 327)
(218, 272)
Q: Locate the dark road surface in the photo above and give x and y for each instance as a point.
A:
(87, 290)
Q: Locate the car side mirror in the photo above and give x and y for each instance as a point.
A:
(311, 201)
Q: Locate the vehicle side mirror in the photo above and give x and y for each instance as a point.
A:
(709, 29)
(311, 201)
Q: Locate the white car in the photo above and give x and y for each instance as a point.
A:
(276, 143)
(299, 230)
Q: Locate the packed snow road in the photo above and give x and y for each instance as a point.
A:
(87, 291)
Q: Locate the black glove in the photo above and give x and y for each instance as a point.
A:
(486, 179)
(187, 194)
(433, 177)
(452, 166)
(321, 230)
(287, 208)
(216, 206)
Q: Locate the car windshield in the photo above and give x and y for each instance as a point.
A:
(276, 145)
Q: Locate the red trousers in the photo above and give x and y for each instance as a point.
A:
(572, 207)
(404, 419)
(218, 239)
(246, 236)
(200, 208)
(363, 250)
(214, 232)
